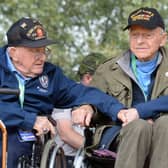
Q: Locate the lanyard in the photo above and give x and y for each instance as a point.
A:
(133, 61)
(22, 90)
(134, 66)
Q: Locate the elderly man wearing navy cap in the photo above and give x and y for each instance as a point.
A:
(42, 87)
(134, 78)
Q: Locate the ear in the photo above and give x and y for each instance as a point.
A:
(87, 78)
(164, 39)
(13, 53)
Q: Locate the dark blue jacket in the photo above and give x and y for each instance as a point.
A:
(155, 107)
(42, 93)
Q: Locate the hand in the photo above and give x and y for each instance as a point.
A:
(43, 125)
(82, 115)
(150, 121)
(127, 116)
(122, 115)
(132, 114)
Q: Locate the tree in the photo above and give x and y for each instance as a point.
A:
(79, 26)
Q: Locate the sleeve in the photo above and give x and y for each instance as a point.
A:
(13, 116)
(72, 94)
(153, 108)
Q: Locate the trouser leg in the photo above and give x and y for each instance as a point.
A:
(159, 149)
(134, 145)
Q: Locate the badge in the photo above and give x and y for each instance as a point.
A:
(44, 81)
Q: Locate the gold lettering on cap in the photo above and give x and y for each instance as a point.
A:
(142, 15)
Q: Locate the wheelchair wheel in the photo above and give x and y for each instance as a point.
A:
(32, 161)
(80, 160)
(23, 162)
(52, 156)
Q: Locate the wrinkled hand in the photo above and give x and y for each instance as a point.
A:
(128, 115)
(150, 121)
(43, 125)
(122, 115)
(82, 115)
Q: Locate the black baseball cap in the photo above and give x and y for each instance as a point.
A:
(28, 32)
(146, 17)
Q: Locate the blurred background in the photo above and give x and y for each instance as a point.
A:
(79, 26)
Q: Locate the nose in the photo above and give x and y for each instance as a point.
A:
(140, 39)
(41, 56)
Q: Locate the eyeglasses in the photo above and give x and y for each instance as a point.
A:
(147, 36)
(47, 51)
(39, 52)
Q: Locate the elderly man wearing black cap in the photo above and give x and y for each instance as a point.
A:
(135, 78)
(42, 87)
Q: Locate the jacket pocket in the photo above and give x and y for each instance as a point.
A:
(164, 92)
(119, 91)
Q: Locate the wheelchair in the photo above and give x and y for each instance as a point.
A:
(94, 138)
(45, 154)
(92, 154)
(4, 144)
(3, 127)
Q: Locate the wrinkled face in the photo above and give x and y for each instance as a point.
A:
(144, 43)
(28, 61)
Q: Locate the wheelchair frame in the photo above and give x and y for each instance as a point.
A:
(45, 154)
(3, 127)
(4, 144)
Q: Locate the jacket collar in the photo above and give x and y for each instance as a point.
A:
(125, 61)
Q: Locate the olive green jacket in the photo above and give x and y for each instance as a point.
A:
(114, 77)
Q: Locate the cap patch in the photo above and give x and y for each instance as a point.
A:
(23, 25)
(146, 15)
(36, 33)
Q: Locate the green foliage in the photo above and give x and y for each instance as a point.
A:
(79, 26)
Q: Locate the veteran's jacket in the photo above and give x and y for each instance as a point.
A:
(44, 92)
(116, 78)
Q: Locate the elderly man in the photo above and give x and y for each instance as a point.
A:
(135, 78)
(42, 87)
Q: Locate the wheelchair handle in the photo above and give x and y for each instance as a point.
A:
(9, 91)
(4, 144)
(3, 127)
(53, 122)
